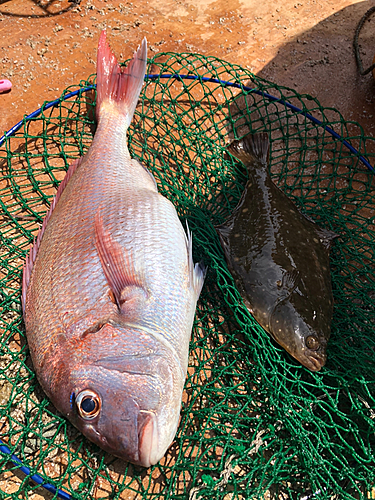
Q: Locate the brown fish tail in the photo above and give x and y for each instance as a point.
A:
(251, 147)
(118, 84)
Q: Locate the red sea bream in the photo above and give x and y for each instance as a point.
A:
(110, 288)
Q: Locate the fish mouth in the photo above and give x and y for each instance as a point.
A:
(147, 439)
(148, 453)
(314, 361)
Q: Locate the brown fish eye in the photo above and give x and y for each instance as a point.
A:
(312, 343)
(88, 404)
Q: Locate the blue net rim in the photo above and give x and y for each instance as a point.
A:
(239, 86)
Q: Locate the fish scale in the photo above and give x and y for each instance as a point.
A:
(110, 288)
(143, 239)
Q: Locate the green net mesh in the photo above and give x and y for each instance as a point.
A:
(254, 423)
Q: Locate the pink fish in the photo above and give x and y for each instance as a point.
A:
(110, 288)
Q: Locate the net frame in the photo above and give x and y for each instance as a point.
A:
(254, 423)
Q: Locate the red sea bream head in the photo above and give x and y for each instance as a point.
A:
(110, 288)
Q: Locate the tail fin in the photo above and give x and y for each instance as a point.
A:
(250, 147)
(120, 85)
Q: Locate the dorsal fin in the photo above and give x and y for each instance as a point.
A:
(30, 258)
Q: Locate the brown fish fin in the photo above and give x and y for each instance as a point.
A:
(118, 267)
(250, 147)
(119, 84)
(288, 284)
(326, 236)
(224, 232)
(30, 258)
(198, 271)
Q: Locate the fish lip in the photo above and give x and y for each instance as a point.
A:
(315, 360)
(147, 439)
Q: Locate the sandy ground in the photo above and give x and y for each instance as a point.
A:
(305, 44)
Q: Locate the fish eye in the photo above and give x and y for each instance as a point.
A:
(312, 343)
(88, 404)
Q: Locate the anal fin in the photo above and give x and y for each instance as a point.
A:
(326, 236)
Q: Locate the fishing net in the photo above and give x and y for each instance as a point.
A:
(254, 423)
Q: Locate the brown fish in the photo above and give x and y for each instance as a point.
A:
(279, 260)
(110, 288)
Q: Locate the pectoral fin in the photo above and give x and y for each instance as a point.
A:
(137, 364)
(126, 283)
(225, 230)
(288, 284)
